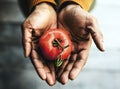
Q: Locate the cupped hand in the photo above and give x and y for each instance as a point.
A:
(41, 19)
(83, 27)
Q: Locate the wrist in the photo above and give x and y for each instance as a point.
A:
(85, 4)
(43, 6)
(34, 3)
(71, 7)
(66, 4)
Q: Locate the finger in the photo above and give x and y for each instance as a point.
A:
(97, 35)
(65, 75)
(50, 74)
(79, 63)
(59, 70)
(38, 64)
(27, 39)
(49, 79)
(44, 71)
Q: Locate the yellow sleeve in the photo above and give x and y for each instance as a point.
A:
(85, 4)
(33, 3)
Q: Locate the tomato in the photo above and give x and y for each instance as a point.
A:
(55, 44)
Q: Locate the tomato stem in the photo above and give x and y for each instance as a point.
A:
(57, 43)
(65, 47)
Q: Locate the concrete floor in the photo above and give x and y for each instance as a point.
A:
(102, 70)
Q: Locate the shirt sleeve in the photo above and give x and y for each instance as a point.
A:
(85, 4)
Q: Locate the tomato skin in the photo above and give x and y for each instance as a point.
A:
(51, 52)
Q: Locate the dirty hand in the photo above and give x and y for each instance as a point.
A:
(83, 27)
(42, 18)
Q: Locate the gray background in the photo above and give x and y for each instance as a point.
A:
(102, 70)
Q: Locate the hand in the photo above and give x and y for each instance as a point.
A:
(82, 27)
(41, 19)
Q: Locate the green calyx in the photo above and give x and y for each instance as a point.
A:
(59, 61)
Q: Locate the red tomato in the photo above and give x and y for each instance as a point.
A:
(55, 44)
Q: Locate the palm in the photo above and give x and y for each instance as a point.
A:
(80, 24)
(36, 24)
(74, 21)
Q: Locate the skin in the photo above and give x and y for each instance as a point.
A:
(40, 20)
(83, 28)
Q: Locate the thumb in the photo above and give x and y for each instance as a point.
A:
(93, 28)
(26, 39)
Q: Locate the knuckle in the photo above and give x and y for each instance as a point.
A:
(24, 23)
(91, 20)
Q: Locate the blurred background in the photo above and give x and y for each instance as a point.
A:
(102, 70)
